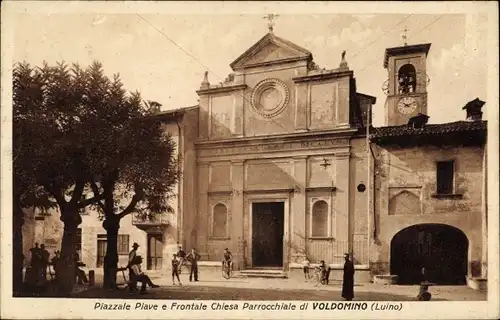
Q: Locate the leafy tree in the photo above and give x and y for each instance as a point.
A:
(136, 168)
(27, 141)
(81, 141)
(51, 164)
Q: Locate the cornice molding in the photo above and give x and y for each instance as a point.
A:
(222, 89)
(270, 63)
(323, 76)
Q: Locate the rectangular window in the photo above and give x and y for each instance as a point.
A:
(445, 177)
(123, 243)
(79, 239)
(101, 250)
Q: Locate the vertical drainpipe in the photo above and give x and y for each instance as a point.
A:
(374, 175)
(484, 213)
(180, 146)
(369, 180)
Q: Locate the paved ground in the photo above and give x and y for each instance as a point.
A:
(214, 287)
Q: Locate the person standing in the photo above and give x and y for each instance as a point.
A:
(131, 259)
(305, 267)
(133, 253)
(55, 262)
(36, 257)
(45, 260)
(181, 254)
(36, 264)
(348, 281)
(175, 270)
(193, 257)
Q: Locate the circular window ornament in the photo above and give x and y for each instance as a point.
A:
(270, 97)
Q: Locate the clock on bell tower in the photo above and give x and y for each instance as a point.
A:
(406, 87)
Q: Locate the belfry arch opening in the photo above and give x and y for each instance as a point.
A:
(407, 79)
(440, 249)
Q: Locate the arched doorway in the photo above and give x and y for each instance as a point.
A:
(440, 249)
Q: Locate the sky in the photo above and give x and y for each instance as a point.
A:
(144, 49)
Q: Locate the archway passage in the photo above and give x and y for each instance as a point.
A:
(440, 249)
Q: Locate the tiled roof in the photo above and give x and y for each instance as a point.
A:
(428, 129)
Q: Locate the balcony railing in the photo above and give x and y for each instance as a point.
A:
(149, 220)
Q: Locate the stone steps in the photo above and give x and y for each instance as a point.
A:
(263, 273)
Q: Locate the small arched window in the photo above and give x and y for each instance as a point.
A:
(407, 79)
(219, 226)
(319, 223)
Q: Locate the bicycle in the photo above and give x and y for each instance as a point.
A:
(226, 270)
(320, 276)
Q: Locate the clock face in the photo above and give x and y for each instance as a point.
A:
(407, 105)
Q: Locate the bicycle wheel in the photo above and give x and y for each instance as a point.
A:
(225, 272)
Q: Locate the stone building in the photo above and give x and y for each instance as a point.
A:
(276, 166)
(429, 184)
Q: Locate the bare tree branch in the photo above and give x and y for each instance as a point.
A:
(98, 197)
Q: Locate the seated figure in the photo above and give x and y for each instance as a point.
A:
(139, 276)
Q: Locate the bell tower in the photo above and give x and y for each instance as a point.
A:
(406, 87)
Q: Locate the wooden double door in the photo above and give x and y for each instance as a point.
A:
(154, 251)
(267, 234)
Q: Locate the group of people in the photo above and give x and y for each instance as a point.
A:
(38, 269)
(40, 259)
(324, 275)
(177, 262)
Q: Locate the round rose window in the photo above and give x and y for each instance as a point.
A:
(270, 97)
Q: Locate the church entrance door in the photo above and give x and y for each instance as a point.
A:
(267, 234)
(440, 249)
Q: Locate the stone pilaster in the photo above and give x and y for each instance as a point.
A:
(342, 197)
(344, 97)
(239, 116)
(203, 214)
(203, 119)
(237, 209)
(301, 98)
(298, 213)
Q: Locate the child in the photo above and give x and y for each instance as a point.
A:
(305, 267)
(322, 268)
(175, 270)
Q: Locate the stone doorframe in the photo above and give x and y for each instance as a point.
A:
(256, 197)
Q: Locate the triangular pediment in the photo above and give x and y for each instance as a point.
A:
(271, 49)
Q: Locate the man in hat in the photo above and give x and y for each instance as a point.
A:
(131, 260)
(140, 276)
(348, 281)
(133, 253)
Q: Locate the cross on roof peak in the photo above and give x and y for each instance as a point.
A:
(270, 21)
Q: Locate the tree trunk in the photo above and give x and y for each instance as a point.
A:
(17, 250)
(112, 225)
(66, 269)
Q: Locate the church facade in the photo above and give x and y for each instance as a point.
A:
(277, 166)
(278, 158)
